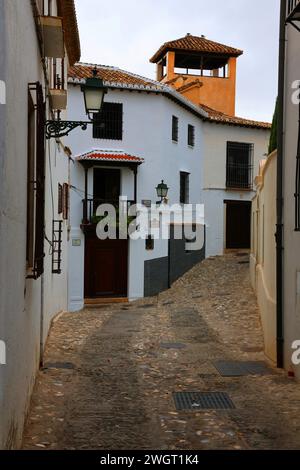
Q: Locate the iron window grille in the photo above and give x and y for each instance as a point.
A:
(108, 124)
(239, 165)
(175, 128)
(191, 135)
(56, 246)
(184, 187)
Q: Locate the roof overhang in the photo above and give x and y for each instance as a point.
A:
(113, 158)
(66, 9)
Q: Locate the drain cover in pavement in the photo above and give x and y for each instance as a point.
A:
(202, 401)
(59, 365)
(237, 369)
(146, 306)
(172, 345)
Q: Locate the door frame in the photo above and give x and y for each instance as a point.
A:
(226, 203)
(92, 236)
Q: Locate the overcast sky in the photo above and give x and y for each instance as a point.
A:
(127, 33)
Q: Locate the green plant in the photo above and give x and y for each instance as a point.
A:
(274, 128)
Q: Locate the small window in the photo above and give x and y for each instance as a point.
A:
(175, 129)
(60, 199)
(149, 243)
(108, 124)
(184, 187)
(191, 135)
(239, 166)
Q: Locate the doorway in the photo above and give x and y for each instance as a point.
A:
(238, 224)
(107, 184)
(106, 266)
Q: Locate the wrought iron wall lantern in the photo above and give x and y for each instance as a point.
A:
(162, 190)
(93, 91)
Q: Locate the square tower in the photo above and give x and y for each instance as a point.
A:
(203, 71)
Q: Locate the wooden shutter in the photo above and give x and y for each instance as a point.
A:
(65, 201)
(38, 267)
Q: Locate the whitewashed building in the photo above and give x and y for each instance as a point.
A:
(39, 40)
(288, 195)
(148, 132)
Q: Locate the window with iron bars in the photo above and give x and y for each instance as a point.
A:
(239, 166)
(184, 187)
(175, 129)
(191, 135)
(108, 124)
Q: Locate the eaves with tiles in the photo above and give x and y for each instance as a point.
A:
(116, 78)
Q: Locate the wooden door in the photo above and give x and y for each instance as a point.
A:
(238, 224)
(105, 267)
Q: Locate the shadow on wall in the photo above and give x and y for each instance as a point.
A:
(161, 273)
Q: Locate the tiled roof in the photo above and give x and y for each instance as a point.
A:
(114, 77)
(200, 44)
(219, 117)
(110, 156)
(66, 9)
(111, 75)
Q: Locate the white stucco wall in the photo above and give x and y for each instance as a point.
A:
(147, 125)
(22, 301)
(291, 238)
(215, 137)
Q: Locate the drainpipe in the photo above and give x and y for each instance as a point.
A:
(280, 157)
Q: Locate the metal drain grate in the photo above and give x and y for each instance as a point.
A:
(59, 365)
(202, 401)
(172, 345)
(238, 369)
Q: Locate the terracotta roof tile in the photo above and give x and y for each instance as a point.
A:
(218, 116)
(66, 9)
(110, 156)
(116, 78)
(200, 44)
(111, 75)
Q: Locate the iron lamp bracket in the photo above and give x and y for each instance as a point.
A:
(57, 129)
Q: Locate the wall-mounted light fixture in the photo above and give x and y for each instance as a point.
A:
(93, 91)
(162, 190)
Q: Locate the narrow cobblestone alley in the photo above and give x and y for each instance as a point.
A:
(110, 372)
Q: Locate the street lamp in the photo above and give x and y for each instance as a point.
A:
(162, 190)
(93, 91)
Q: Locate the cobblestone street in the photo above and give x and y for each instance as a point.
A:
(110, 372)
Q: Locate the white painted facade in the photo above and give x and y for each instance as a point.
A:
(291, 253)
(147, 124)
(147, 133)
(26, 306)
(215, 137)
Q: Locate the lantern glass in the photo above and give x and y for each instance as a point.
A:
(94, 92)
(93, 98)
(162, 190)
